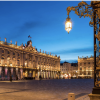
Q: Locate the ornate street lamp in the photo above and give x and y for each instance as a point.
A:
(92, 11)
(68, 24)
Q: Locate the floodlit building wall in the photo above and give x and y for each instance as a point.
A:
(26, 61)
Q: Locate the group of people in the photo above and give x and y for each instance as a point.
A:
(11, 78)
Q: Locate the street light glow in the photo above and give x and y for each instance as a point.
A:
(68, 25)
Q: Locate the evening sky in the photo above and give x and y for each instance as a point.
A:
(44, 21)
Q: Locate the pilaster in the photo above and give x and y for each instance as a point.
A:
(27, 60)
(11, 55)
(16, 58)
(32, 62)
(21, 58)
(5, 56)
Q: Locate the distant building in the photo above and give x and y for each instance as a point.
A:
(25, 61)
(86, 67)
(65, 69)
(74, 72)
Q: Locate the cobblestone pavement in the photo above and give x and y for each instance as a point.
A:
(57, 89)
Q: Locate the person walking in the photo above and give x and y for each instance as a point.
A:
(40, 77)
(10, 78)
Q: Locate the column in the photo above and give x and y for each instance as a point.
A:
(5, 57)
(0, 54)
(36, 66)
(11, 55)
(21, 58)
(16, 59)
(0, 71)
(32, 62)
(27, 60)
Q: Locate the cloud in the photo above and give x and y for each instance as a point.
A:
(75, 50)
(21, 30)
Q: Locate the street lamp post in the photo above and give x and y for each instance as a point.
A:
(92, 11)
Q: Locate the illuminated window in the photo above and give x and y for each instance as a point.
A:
(25, 63)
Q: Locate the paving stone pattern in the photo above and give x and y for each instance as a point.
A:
(45, 89)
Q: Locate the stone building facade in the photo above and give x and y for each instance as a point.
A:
(86, 67)
(74, 71)
(25, 61)
(69, 70)
(65, 69)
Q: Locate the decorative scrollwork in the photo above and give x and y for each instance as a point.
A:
(97, 83)
(95, 47)
(91, 11)
(83, 9)
(98, 36)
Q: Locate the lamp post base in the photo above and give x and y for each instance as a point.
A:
(94, 96)
(96, 90)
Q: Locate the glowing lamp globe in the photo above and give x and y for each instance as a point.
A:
(68, 25)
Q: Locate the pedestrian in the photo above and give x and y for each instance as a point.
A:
(16, 77)
(10, 78)
(40, 77)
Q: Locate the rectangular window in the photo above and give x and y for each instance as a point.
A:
(88, 72)
(18, 54)
(88, 62)
(84, 64)
(2, 51)
(8, 52)
(13, 53)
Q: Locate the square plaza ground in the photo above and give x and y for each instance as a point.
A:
(57, 89)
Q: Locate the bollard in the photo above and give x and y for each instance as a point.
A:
(71, 96)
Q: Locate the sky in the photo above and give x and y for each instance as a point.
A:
(44, 21)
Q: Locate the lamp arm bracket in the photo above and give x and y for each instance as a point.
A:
(83, 9)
